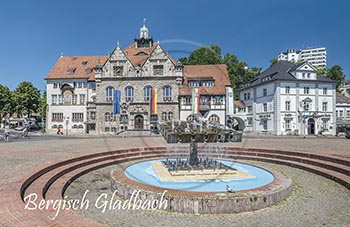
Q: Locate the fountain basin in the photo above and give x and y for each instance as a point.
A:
(245, 177)
(203, 202)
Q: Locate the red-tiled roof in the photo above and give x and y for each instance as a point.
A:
(217, 72)
(239, 103)
(132, 53)
(79, 64)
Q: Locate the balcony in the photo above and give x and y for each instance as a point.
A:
(264, 116)
(77, 119)
(57, 119)
(91, 105)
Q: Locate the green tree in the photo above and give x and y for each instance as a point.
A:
(203, 56)
(301, 61)
(6, 101)
(273, 61)
(43, 105)
(336, 73)
(238, 71)
(321, 70)
(27, 98)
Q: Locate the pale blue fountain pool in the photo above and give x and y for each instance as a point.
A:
(143, 172)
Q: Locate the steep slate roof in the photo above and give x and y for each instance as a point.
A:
(340, 98)
(281, 70)
(218, 73)
(75, 63)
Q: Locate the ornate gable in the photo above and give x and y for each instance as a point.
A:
(118, 55)
(118, 64)
(158, 54)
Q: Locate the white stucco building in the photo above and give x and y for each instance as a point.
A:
(315, 56)
(290, 99)
(343, 112)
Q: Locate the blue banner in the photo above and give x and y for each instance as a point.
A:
(116, 102)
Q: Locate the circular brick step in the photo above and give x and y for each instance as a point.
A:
(52, 180)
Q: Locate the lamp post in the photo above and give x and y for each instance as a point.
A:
(67, 121)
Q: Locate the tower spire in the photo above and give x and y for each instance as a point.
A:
(144, 30)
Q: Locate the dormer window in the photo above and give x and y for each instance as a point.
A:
(70, 71)
(84, 63)
(141, 53)
(88, 71)
(265, 92)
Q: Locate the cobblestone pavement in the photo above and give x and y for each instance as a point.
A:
(315, 201)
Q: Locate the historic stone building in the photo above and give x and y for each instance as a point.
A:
(140, 73)
(136, 71)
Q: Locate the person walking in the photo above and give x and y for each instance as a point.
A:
(25, 132)
(7, 135)
(58, 131)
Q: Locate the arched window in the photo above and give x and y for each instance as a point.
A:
(109, 94)
(170, 115)
(214, 118)
(67, 97)
(147, 92)
(107, 117)
(164, 116)
(167, 93)
(190, 117)
(129, 93)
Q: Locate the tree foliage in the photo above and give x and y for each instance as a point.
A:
(43, 105)
(203, 55)
(336, 73)
(26, 98)
(321, 70)
(6, 101)
(273, 61)
(238, 70)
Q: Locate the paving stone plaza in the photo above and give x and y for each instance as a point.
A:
(314, 200)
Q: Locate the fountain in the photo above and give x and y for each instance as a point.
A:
(195, 162)
(174, 132)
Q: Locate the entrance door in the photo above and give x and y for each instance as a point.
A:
(138, 122)
(311, 126)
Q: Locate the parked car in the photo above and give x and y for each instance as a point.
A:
(34, 127)
(347, 134)
(20, 128)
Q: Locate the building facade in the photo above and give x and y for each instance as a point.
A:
(317, 57)
(71, 94)
(290, 99)
(342, 112)
(81, 90)
(345, 88)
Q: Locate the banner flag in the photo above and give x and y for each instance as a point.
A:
(195, 100)
(116, 102)
(153, 102)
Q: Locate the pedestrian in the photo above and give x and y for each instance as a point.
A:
(58, 131)
(25, 132)
(7, 135)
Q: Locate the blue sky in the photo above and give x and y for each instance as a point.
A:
(34, 33)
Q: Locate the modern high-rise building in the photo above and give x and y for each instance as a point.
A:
(315, 56)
